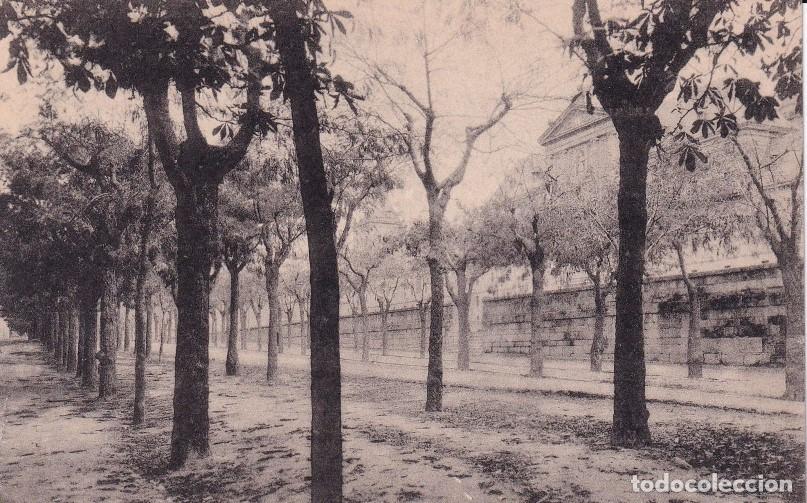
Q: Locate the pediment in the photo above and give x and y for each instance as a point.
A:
(574, 118)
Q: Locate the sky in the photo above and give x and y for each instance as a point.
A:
(483, 52)
(478, 59)
(469, 75)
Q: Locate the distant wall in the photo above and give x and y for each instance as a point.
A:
(742, 319)
(743, 322)
(403, 327)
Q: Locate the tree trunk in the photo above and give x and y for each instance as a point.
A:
(793, 283)
(464, 333)
(244, 332)
(169, 328)
(301, 306)
(225, 323)
(434, 373)
(537, 269)
(149, 325)
(127, 341)
(258, 332)
(599, 342)
(196, 217)
(281, 345)
(353, 317)
(289, 314)
(326, 390)
(214, 323)
(56, 347)
(365, 324)
(259, 336)
(231, 365)
(63, 330)
(272, 277)
(461, 302)
(72, 339)
(694, 350)
(107, 356)
(140, 331)
(630, 410)
(80, 339)
(384, 317)
(56, 330)
(48, 331)
(423, 313)
(66, 336)
(163, 326)
(118, 331)
(139, 406)
(89, 375)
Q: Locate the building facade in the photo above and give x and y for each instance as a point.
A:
(742, 320)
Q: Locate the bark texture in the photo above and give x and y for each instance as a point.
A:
(272, 277)
(793, 281)
(326, 394)
(107, 356)
(537, 269)
(694, 349)
(196, 217)
(630, 426)
(89, 375)
(231, 364)
(599, 341)
(434, 373)
(72, 340)
(423, 314)
(365, 323)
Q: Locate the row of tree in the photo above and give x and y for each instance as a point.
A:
(168, 53)
(564, 222)
(187, 61)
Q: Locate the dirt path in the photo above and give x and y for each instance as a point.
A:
(60, 444)
(57, 442)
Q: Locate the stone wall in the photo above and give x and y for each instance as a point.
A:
(742, 322)
(742, 319)
(403, 327)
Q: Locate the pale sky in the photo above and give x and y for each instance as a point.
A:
(492, 55)
(469, 74)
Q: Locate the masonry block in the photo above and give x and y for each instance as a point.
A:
(711, 358)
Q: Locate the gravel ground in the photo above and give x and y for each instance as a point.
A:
(60, 444)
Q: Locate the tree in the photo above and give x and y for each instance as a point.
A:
(296, 292)
(470, 250)
(527, 213)
(257, 304)
(278, 208)
(419, 286)
(771, 186)
(47, 245)
(634, 65)
(350, 297)
(238, 236)
(301, 84)
(590, 244)
(252, 292)
(687, 211)
(359, 263)
(417, 137)
(113, 163)
(129, 47)
(358, 158)
(412, 243)
(152, 231)
(390, 275)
